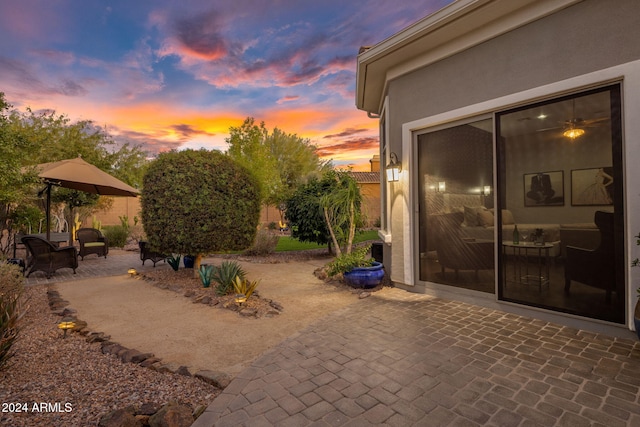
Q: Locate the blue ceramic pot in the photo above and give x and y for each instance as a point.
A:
(365, 277)
(188, 261)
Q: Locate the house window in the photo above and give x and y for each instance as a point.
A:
(560, 185)
(456, 219)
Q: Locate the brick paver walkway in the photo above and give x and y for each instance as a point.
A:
(117, 263)
(403, 359)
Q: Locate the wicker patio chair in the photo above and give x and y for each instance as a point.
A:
(46, 257)
(148, 254)
(92, 241)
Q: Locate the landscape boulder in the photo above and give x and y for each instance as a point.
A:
(172, 414)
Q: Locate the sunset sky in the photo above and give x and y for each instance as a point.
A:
(177, 74)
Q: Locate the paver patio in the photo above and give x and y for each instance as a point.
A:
(402, 359)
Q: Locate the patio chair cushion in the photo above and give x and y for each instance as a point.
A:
(93, 244)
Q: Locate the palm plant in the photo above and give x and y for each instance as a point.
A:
(341, 209)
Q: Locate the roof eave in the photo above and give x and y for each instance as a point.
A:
(456, 27)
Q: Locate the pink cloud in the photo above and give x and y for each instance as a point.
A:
(208, 47)
(34, 20)
(350, 146)
(346, 132)
(288, 98)
(200, 36)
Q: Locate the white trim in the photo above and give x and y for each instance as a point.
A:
(629, 73)
(406, 179)
(385, 202)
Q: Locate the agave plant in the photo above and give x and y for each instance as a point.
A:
(244, 286)
(174, 261)
(206, 271)
(225, 275)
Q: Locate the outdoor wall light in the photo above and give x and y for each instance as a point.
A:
(66, 324)
(393, 168)
(132, 272)
(442, 186)
(240, 298)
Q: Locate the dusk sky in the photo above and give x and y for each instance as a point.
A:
(177, 74)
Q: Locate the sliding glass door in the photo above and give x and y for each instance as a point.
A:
(456, 231)
(560, 187)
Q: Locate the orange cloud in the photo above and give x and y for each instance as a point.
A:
(344, 136)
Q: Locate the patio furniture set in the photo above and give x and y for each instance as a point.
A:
(48, 256)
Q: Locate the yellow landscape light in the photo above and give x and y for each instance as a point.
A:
(240, 298)
(66, 324)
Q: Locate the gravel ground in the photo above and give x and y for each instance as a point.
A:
(77, 383)
(84, 383)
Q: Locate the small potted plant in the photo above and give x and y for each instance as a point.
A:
(357, 268)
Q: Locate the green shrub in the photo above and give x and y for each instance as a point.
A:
(264, 244)
(199, 202)
(225, 275)
(347, 262)
(116, 234)
(11, 311)
(272, 225)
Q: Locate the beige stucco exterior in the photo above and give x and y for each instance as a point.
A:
(473, 58)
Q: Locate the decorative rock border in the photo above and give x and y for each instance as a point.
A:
(200, 296)
(172, 414)
(60, 307)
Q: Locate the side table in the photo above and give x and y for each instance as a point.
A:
(520, 253)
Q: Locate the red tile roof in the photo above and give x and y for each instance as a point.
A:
(366, 177)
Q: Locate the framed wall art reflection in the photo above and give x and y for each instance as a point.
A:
(544, 189)
(592, 187)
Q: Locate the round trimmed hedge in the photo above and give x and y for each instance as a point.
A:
(197, 202)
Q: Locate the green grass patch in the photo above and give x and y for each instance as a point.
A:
(286, 243)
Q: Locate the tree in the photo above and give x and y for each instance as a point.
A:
(30, 138)
(14, 150)
(304, 213)
(341, 209)
(326, 210)
(198, 202)
(280, 161)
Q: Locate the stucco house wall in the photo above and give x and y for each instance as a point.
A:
(540, 49)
